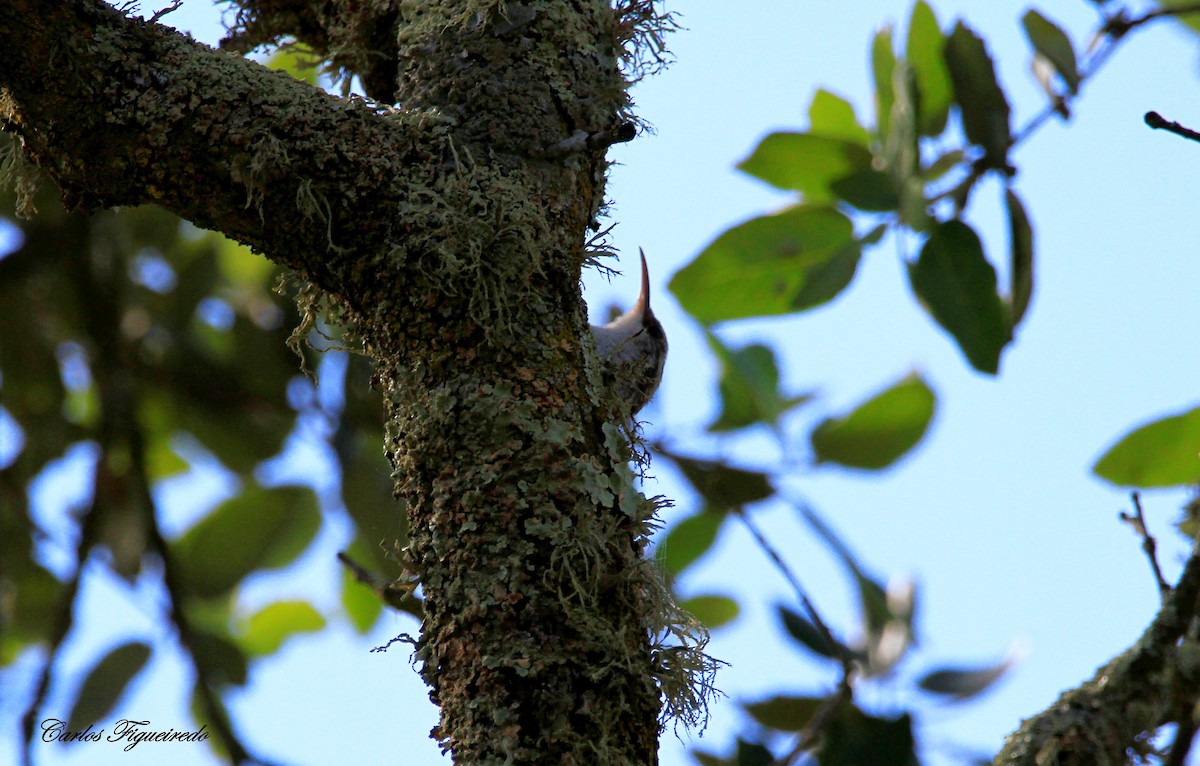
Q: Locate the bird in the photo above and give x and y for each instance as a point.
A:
(633, 348)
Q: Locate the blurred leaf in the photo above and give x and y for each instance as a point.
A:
(367, 493)
(1050, 41)
(1021, 266)
(162, 461)
(106, 682)
(297, 61)
(981, 100)
(753, 754)
(801, 629)
(775, 264)
(943, 164)
(723, 486)
(805, 162)
(867, 189)
(957, 284)
(881, 430)
(268, 628)
(361, 604)
(261, 528)
(883, 63)
(924, 53)
(783, 712)
(832, 116)
(854, 738)
(30, 606)
(688, 540)
(708, 759)
(963, 683)
(1162, 453)
(222, 661)
(713, 611)
(749, 387)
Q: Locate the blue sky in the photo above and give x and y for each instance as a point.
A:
(995, 514)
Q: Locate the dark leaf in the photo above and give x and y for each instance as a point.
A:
(801, 629)
(981, 100)
(1021, 266)
(868, 189)
(785, 713)
(1052, 43)
(220, 659)
(753, 754)
(106, 682)
(723, 486)
(854, 738)
(1163, 453)
(963, 683)
(880, 431)
(957, 284)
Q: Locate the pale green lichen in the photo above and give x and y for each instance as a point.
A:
(21, 175)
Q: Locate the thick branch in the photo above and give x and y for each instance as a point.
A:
(1119, 710)
(122, 112)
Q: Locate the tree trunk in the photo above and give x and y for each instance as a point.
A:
(445, 238)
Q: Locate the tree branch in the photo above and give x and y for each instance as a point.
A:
(1127, 700)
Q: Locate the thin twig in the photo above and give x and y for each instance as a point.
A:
(1138, 521)
(172, 7)
(1158, 122)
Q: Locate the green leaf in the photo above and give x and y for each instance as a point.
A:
(753, 754)
(963, 683)
(688, 540)
(1159, 454)
(805, 632)
(924, 51)
(1021, 263)
(1052, 43)
(785, 713)
(879, 431)
(222, 660)
(268, 628)
(854, 738)
(883, 62)
(832, 116)
(958, 286)
(106, 682)
(262, 528)
(749, 387)
(981, 100)
(723, 486)
(805, 162)
(713, 611)
(868, 189)
(775, 264)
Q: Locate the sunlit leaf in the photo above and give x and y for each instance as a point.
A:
(805, 162)
(1021, 249)
(784, 713)
(105, 684)
(832, 116)
(261, 528)
(267, 629)
(958, 286)
(713, 611)
(688, 540)
(1050, 41)
(880, 431)
(775, 264)
(981, 100)
(883, 62)
(1163, 453)
(924, 53)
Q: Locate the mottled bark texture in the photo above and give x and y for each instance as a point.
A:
(445, 236)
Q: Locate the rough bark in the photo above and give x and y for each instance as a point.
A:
(446, 239)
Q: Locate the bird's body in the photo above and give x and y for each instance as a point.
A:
(634, 348)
